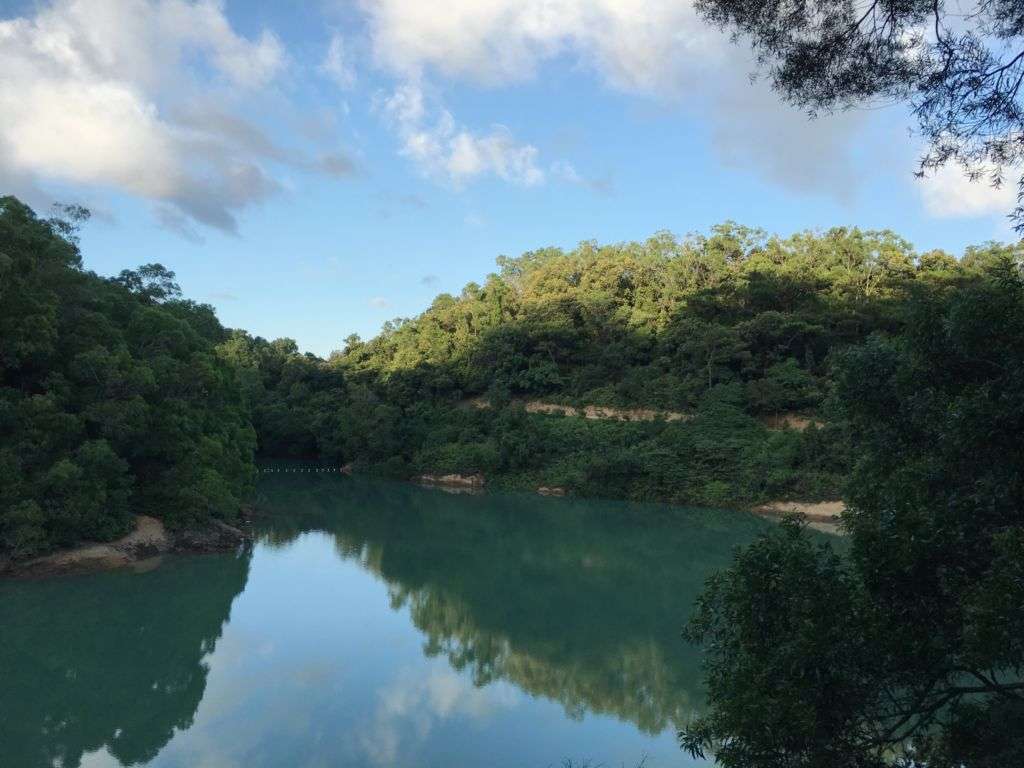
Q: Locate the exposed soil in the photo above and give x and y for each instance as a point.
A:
(796, 421)
(821, 515)
(142, 549)
(551, 490)
(454, 483)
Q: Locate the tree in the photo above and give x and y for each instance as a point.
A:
(154, 282)
(112, 398)
(960, 73)
(911, 648)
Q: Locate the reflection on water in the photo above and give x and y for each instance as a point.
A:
(382, 624)
(110, 661)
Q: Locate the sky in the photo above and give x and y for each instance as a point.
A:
(313, 170)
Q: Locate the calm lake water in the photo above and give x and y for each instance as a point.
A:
(374, 624)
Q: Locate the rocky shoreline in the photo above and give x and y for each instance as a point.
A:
(149, 540)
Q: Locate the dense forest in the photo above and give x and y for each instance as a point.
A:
(113, 397)
(726, 331)
(118, 396)
(915, 656)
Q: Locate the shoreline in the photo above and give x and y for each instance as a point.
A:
(823, 516)
(142, 547)
(150, 540)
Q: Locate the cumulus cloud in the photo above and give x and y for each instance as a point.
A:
(950, 193)
(752, 128)
(445, 150)
(379, 302)
(655, 48)
(639, 45)
(413, 705)
(128, 95)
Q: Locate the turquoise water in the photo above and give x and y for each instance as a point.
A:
(374, 624)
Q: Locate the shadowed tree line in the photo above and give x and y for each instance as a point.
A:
(729, 328)
(113, 398)
(910, 650)
(117, 395)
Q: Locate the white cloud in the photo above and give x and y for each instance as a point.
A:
(949, 193)
(379, 302)
(655, 48)
(414, 704)
(753, 129)
(337, 63)
(141, 96)
(445, 150)
(636, 45)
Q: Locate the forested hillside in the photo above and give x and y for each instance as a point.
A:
(113, 399)
(728, 329)
(118, 396)
(908, 648)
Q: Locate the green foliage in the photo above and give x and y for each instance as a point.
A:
(960, 73)
(757, 617)
(297, 401)
(652, 324)
(112, 397)
(731, 329)
(909, 649)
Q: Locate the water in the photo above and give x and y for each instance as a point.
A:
(374, 624)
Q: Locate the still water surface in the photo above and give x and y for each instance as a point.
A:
(374, 624)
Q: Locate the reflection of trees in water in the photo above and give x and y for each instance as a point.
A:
(580, 602)
(635, 682)
(112, 660)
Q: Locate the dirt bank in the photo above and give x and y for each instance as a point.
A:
(779, 421)
(821, 515)
(605, 413)
(148, 541)
(796, 421)
(453, 483)
(551, 490)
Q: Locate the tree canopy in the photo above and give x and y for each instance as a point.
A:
(112, 396)
(910, 649)
(904, 647)
(960, 71)
(730, 331)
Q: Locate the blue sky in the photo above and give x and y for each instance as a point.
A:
(314, 174)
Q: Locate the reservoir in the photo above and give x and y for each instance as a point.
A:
(375, 624)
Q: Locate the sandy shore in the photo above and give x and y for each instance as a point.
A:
(821, 515)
